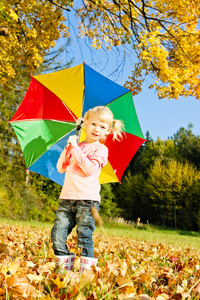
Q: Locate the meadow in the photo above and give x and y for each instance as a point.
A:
(133, 263)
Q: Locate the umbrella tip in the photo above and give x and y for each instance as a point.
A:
(83, 62)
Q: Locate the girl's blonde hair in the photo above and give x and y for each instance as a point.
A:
(105, 115)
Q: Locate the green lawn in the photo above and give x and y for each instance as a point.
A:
(178, 238)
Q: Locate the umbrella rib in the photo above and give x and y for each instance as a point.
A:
(66, 122)
(69, 111)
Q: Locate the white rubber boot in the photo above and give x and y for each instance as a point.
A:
(87, 262)
(65, 262)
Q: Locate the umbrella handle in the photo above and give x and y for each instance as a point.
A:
(67, 157)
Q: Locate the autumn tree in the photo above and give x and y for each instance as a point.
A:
(173, 189)
(131, 199)
(108, 207)
(163, 35)
(28, 29)
(37, 197)
(188, 145)
(164, 150)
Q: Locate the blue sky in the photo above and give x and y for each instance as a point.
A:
(162, 118)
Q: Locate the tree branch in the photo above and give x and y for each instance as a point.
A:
(59, 5)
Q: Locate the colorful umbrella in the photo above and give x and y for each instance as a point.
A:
(48, 113)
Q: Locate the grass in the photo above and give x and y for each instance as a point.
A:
(25, 223)
(155, 235)
(147, 233)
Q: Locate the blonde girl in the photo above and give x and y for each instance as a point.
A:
(81, 189)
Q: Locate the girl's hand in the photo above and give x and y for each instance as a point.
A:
(72, 140)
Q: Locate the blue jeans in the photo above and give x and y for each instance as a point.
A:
(69, 214)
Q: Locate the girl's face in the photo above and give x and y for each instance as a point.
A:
(96, 130)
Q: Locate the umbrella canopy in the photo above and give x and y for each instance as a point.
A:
(48, 113)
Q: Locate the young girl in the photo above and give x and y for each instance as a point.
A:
(81, 189)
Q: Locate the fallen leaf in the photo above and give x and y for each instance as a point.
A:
(144, 297)
(35, 277)
(21, 285)
(177, 296)
(80, 297)
(123, 268)
(197, 288)
(162, 297)
(11, 267)
(5, 249)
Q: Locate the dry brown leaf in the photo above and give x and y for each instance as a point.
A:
(162, 297)
(2, 291)
(123, 268)
(197, 288)
(144, 297)
(131, 296)
(21, 285)
(86, 278)
(36, 278)
(11, 267)
(177, 296)
(5, 249)
(112, 268)
(186, 296)
(47, 267)
(2, 277)
(72, 293)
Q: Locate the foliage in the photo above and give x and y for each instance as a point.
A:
(164, 189)
(11, 158)
(164, 36)
(188, 145)
(32, 29)
(108, 206)
(164, 150)
(129, 197)
(127, 269)
(174, 192)
(22, 195)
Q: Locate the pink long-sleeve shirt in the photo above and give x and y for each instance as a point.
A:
(82, 175)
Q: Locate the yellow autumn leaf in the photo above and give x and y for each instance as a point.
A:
(13, 15)
(60, 282)
(11, 267)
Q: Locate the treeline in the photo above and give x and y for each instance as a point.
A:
(161, 184)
